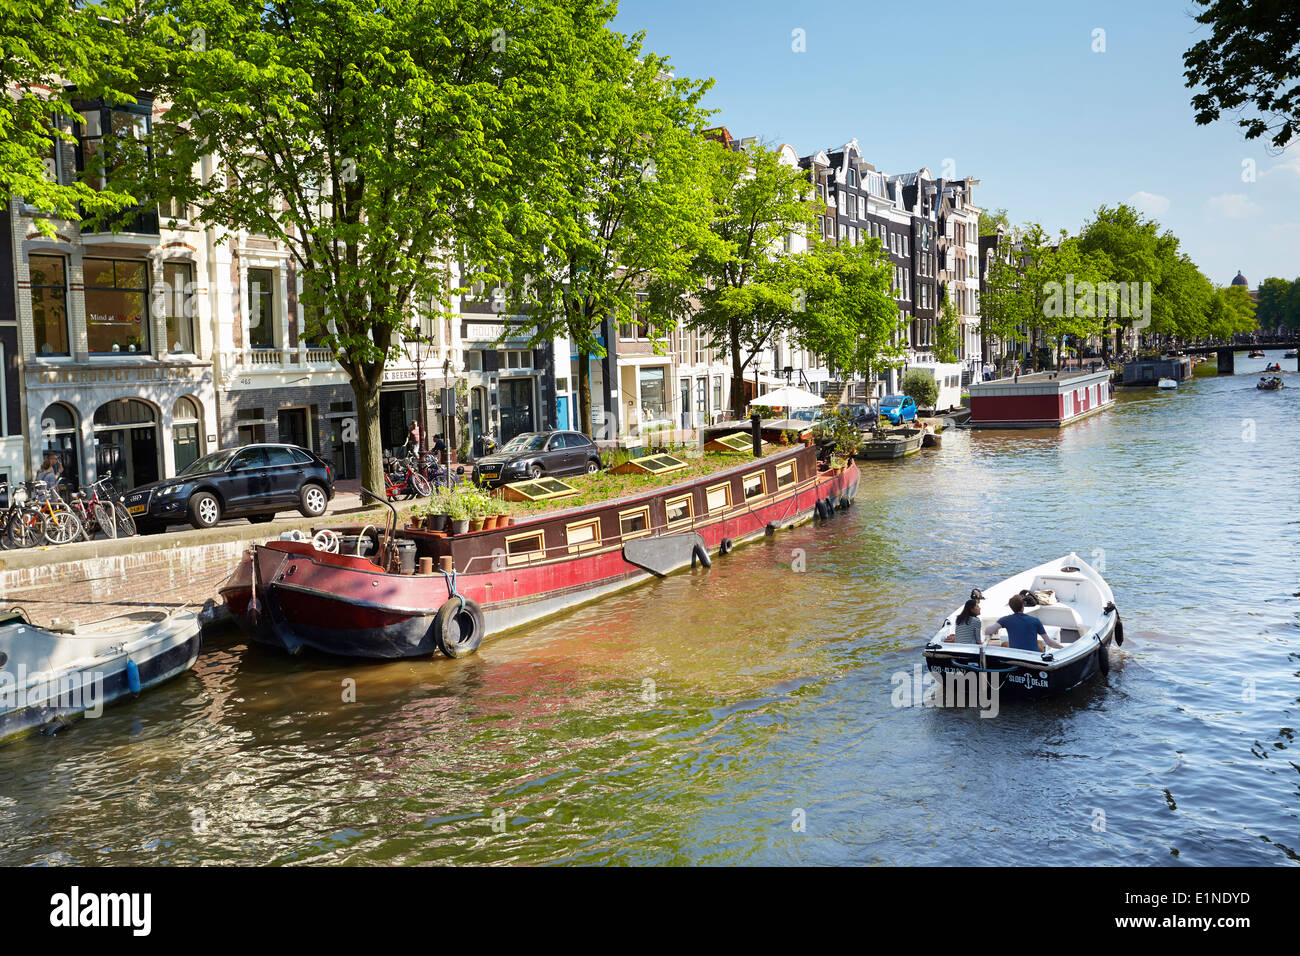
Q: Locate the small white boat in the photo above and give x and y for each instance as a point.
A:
(1166, 383)
(48, 676)
(1082, 616)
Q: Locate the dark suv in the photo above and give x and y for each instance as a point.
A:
(534, 454)
(252, 482)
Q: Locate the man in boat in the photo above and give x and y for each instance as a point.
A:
(1023, 629)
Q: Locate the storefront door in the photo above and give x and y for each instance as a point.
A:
(293, 427)
(686, 403)
(397, 409)
(516, 407)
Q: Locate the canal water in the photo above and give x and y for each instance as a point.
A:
(757, 712)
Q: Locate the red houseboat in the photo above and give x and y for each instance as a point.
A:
(1040, 400)
(292, 594)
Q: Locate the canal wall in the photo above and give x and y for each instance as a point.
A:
(93, 580)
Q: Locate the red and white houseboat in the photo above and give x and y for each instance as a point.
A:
(1040, 400)
(293, 594)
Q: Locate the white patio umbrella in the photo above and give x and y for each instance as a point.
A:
(787, 396)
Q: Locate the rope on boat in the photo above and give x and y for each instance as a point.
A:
(451, 588)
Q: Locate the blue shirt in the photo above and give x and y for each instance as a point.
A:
(1023, 630)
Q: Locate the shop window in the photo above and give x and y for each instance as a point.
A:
(718, 498)
(679, 510)
(180, 306)
(49, 299)
(755, 485)
(634, 524)
(583, 535)
(261, 308)
(525, 548)
(117, 305)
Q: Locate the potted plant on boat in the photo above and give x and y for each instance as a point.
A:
(457, 513)
(498, 512)
(436, 514)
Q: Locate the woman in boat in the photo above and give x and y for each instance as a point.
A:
(967, 628)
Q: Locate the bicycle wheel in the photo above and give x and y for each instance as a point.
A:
(103, 518)
(125, 523)
(23, 529)
(421, 485)
(61, 527)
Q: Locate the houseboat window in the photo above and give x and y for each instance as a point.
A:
(632, 524)
(718, 497)
(679, 510)
(755, 485)
(523, 548)
(785, 474)
(583, 535)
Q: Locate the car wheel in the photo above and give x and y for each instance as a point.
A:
(261, 519)
(593, 466)
(535, 470)
(314, 501)
(205, 510)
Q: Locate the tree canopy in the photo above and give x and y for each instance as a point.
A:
(1249, 65)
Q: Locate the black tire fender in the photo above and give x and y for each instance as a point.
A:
(1103, 657)
(459, 628)
(725, 546)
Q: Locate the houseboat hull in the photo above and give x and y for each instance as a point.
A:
(1040, 400)
(289, 595)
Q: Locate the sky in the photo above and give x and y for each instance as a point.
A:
(1053, 117)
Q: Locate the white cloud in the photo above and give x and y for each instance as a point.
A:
(1149, 203)
(1290, 163)
(1232, 206)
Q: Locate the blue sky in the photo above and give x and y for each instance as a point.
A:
(1010, 93)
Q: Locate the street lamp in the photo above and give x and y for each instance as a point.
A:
(414, 347)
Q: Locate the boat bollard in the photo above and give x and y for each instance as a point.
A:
(426, 565)
(445, 564)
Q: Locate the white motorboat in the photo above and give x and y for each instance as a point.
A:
(1166, 383)
(1081, 615)
(51, 675)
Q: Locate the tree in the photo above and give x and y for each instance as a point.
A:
(845, 310)
(1276, 300)
(625, 210)
(47, 48)
(989, 222)
(746, 295)
(921, 386)
(1128, 240)
(369, 140)
(1248, 65)
(1233, 312)
(947, 333)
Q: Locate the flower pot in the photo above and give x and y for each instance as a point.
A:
(458, 525)
(436, 522)
(475, 524)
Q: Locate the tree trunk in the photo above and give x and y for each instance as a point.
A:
(584, 391)
(368, 438)
(737, 383)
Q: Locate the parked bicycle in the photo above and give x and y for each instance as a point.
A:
(402, 480)
(102, 510)
(43, 516)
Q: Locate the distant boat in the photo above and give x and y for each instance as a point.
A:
(1256, 353)
(1291, 354)
(1083, 618)
(892, 443)
(1167, 384)
(1272, 385)
(67, 672)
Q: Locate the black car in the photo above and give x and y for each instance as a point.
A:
(252, 482)
(534, 454)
